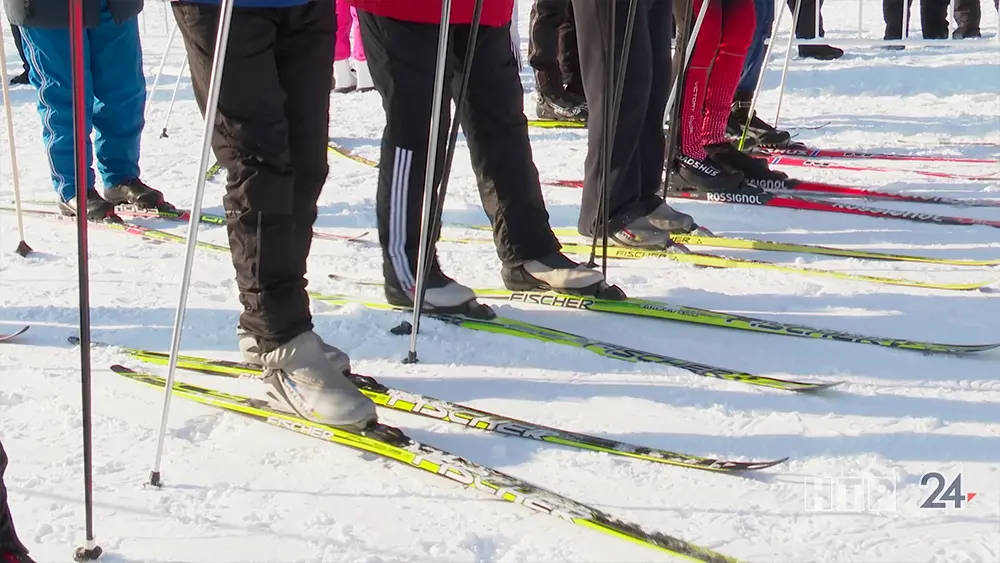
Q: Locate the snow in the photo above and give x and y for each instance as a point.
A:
(237, 491)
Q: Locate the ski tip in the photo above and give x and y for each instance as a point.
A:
(817, 387)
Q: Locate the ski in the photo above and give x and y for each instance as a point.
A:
(811, 204)
(336, 148)
(213, 171)
(644, 308)
(131, 228)
(788, 160)
(728, 262)
(802, 187)
(391, 444)
(465, 416)
(521, 329)
(12, 335)
(753, 244)
(555, 124)
(838, 153)
(634, 307)
(127, 228)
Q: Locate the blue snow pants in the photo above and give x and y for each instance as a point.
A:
(754, 62)
(114, 99)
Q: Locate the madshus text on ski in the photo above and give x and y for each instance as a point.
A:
(269, 125)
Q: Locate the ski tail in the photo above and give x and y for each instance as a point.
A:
(405, 450)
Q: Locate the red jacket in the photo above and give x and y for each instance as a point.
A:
(496, 13)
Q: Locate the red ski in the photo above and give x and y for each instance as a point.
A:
(787, 160)
(808, 204)
(801, 187)
(837, 153)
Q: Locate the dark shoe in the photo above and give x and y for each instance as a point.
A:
(137, 193)
(20, 79)
(966, 33)
(556, 272)
(760, 133)
(821, 52)
(98, 209)
(727, 156)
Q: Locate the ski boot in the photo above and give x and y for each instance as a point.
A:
(556, 272)
(136, 193)
(760, 133)
(99, 210)
(442, 295)
(560, 106)
(755, 170)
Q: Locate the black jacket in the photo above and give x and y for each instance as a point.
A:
(54, 14)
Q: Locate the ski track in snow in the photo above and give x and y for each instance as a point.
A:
(237, 491)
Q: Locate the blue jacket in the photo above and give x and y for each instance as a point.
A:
(54, 14)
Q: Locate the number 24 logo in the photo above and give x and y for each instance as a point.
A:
(953, 492)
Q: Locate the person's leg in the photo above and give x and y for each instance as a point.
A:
(968, 16)
(754, 62)
(267, 225)
(119, 105)
(934, 18)
(51, 73)
(628, 206)
(737, 31)
(342, 47)
(569, 54)
(357, 45)
(9, 542)
(251, 142)
(892, 14)
(543, 45)
(401, 57)
(19, 44)
(303, 77)
(497, 133)
(344, 79)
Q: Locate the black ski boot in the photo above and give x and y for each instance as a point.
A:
(760, 132)
(99, 210)
(707, 176)
(560, 106)
(755, 170)
(135, 192)
(556, 272)
(441, 295)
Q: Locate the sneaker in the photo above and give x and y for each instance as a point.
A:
(706, 175)
(363, 76)
(441, 295)
(561, 107)
(20, 79)
(760, 132)
(136, 192)
(99, 210)
(556, 272)
(727, 156)
(310, 375)
(344, 79)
